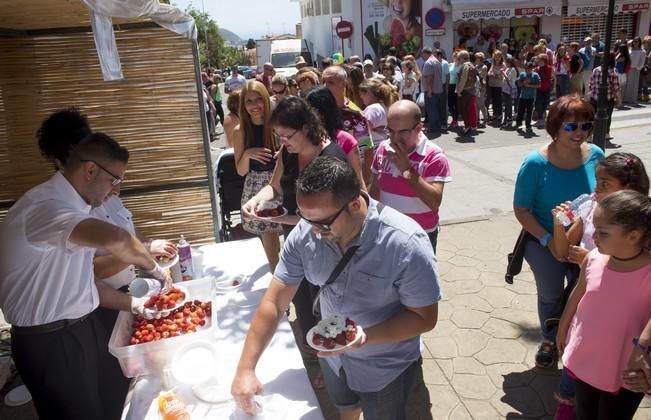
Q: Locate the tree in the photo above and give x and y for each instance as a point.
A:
(250, 44)
(212, 51)
(210, 42)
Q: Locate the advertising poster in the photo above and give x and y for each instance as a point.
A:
(392, 23)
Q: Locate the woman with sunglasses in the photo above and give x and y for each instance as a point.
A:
(302, 137)
(254, 150)
(279, 89)
(557, 172)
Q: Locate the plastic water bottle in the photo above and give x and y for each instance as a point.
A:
(579, 208)
(185, 259)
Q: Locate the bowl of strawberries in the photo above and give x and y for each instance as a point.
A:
(270, 210)
(334, 333)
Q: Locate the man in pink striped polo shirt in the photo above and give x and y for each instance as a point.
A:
(409, 171)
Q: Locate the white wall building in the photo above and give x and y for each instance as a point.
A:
(378, 24)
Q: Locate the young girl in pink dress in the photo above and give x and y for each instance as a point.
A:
(609, 307)
(618, 171)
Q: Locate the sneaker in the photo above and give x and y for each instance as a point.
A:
(547, 355)
(565, 408)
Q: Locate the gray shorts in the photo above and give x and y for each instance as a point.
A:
(406, 397)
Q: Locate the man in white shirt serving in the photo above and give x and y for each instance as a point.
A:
(48, 292)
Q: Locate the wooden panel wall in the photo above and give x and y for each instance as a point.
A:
(154, 112)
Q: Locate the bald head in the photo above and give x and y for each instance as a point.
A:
(404, 109)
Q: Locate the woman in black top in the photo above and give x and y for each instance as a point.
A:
(254, 149)
(302, 137)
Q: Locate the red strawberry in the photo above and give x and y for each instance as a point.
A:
(329, 343)
(341, 339)
(351, 334)
(350, 322)
(317, 340)
(274, 213)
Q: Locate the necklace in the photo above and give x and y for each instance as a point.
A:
(630, 258)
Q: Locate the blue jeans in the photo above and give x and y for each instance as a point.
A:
(549, 274)
(436, 111)
(405, 398)
(562, 85)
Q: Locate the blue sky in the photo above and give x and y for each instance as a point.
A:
(250, 19)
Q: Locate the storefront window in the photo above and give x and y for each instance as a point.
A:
(325, 7)
(486, 34)
(576, 28)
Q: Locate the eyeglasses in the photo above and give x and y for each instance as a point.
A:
(278, 92)
(116, 179)
(286, 138)
(324, 226)
(399, 133)
(572, 126)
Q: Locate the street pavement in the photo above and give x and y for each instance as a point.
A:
(478, 361)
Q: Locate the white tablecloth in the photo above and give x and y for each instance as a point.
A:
(280, 369)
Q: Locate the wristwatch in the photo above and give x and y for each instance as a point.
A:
(409, 174)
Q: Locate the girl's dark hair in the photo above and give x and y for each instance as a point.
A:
(294, 112)
(325, 105)
(60, 132)
(628, 169)
(630, 210)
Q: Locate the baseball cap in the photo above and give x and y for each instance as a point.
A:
(368, 63)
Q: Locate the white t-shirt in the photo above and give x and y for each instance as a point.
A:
(414, 85)
(376, 115)
(43, 276)
(114, 212)
(233, 83)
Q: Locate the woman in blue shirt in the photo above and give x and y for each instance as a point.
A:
(557, 172)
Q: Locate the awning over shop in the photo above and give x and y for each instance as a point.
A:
(504, 9)
(600, 7)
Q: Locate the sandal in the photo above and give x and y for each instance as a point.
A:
(547, 355)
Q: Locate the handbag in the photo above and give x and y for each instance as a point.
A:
(516, 257)
(420, 101)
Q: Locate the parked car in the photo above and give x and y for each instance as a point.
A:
(245, 71)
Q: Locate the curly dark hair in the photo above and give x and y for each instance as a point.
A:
(60, 132)
(325, 105)
(295, 113)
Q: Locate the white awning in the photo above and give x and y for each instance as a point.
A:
(504, 9)
(600, 7)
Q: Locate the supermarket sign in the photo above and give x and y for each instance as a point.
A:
(505, 12)
(602, 9)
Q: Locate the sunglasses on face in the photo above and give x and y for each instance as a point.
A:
(278, 92)
(573, 126)
(323, 226)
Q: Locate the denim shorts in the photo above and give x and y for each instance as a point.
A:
(406, 397)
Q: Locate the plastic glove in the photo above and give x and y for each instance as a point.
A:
(162, 247)
(163, 276)
(138, 307)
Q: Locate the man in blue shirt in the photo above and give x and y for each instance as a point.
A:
(390, 287)
(529, 81)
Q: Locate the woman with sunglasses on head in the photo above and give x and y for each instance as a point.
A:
(254, 158)
(557, 172)
(302, 137)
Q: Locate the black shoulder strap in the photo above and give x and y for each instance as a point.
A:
(341, 265)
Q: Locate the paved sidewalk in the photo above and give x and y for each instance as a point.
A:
(479, 358)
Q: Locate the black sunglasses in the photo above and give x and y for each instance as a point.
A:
(572, 126)
(324, 226)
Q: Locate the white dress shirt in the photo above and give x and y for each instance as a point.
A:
(43, 276)
(114, 212)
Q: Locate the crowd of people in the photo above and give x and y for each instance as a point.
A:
(376, 123)
(343, 150)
